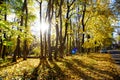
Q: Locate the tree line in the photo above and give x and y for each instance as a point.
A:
(82, 24)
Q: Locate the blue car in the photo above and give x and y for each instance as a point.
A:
(103, 51)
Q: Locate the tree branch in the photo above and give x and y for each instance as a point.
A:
(72, 3)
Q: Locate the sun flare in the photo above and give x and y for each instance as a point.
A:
(44, 27)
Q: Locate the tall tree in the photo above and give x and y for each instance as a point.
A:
(57, 31)
(83, 23)
(25, 51)
(50, 16)
(1, 2)
(41, 40)
(62, 45)
(17, 50)
(98, 28)
(4, 51)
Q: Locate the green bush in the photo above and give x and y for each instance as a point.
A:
(36, 51)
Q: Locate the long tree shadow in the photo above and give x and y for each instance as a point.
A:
(44, 71)
(10, 64)
(96, 70)
(36, 74)
(116, 74)
(78, 72)
(100, 58)
(56, 73)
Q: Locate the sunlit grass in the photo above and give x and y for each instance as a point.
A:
(87, 67)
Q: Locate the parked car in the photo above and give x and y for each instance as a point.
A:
(103, 51)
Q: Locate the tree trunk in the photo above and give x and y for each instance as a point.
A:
(70, 38)
(17, 49)
(56, 46)
(45, 44)
(4, 46)
(78, 31)
(49, 42)
(25, 41)
(41, 41)
(4, 52)
(83, 25)
(50, 15)
(14, 56)
(21, 24)
(67, 46)
(62, 45)
(60, 35)
(60, 12)
(88, 50)
(1, 43)
(25, 50)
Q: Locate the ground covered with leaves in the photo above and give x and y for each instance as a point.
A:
(17, 70)
(75, 67)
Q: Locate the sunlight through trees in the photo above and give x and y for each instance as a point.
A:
(52, 29)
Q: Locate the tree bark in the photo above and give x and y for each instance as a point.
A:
(50, 15)
(62, 45)
(25, 50)
(41, 41)
(83, 25)
(4, 52)
(17, 49)
(1, 43)
(45, 41)
(56, 46)
(25, 41)
(60, 17)
(49, 42)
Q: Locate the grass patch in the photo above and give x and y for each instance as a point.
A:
(87, 67)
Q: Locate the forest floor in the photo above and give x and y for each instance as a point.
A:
(75, 67)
